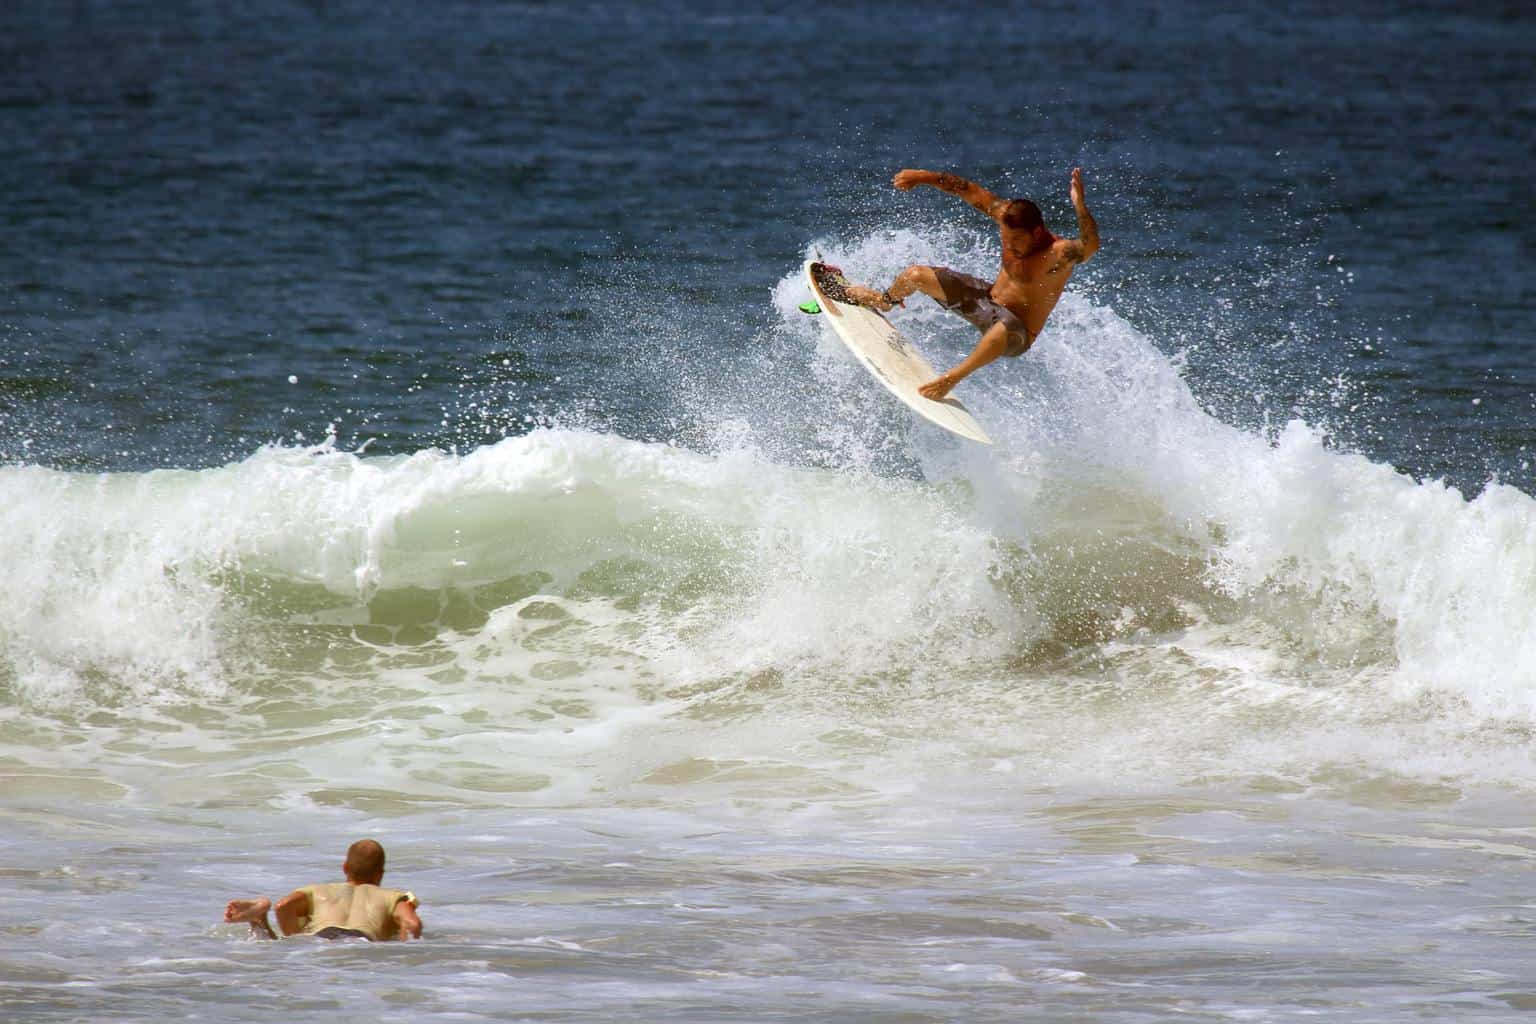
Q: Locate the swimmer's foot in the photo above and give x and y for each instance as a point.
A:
(247, 911)
(870, 299)
(939, 388)
(252, 912)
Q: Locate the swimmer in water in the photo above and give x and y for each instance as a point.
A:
(355, 909)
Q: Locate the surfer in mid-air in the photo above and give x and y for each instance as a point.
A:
(1011, 311)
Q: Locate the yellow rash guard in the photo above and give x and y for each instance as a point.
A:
(365, 909)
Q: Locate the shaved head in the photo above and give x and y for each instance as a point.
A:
(365, 862)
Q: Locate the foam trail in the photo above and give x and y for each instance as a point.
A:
(1096, 411)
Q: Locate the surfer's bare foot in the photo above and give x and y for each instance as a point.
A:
(247, 911)
(253, 913)
(870, 298)
(939, 388)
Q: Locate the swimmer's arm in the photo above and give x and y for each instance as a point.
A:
(955, 185)
(291, 912)
(406, 920)
(1082, 249)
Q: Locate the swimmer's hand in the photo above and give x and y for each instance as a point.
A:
(909, 178)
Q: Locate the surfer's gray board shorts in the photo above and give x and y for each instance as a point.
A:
(971, 298)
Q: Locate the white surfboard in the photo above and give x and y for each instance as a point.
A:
(894, 361)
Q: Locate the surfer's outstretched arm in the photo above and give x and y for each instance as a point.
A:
(955, 185)
(1087, 242)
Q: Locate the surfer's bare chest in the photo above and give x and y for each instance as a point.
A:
(1028, 280)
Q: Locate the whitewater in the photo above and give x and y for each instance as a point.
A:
(673, 719)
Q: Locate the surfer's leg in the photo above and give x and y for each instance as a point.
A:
(914, 279)
(917, 278)
(252, 912)
(869, 298)
(993, 343)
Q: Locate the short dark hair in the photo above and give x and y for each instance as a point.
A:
(1022, 215)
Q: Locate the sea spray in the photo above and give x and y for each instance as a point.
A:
(1124, 583)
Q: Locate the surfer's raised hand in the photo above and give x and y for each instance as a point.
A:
(1082, 249)
(909, 178)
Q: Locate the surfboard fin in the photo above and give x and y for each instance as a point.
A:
(813, 307)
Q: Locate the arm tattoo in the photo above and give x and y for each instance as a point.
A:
(952, 183)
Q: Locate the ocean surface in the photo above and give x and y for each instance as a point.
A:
(407, 430)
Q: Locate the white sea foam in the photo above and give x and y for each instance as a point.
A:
(1118, 544)
(1393, 573)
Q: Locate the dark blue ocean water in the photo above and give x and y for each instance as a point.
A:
(1179, 700)
(447, 221)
